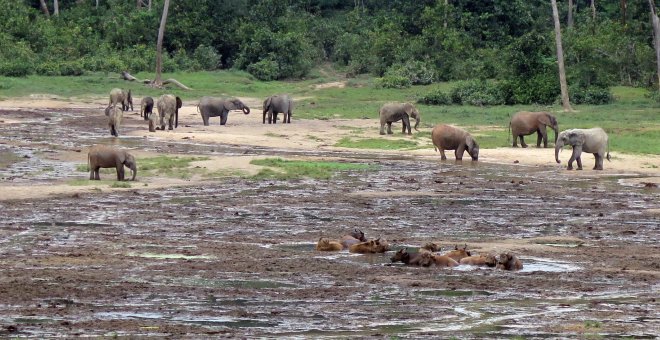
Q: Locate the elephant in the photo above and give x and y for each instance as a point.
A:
(168, 110)
(394, 112)
(146, 107)
(276, 104)
(593, 140)
(115, 116)
(447, 137)
(102, 156)
(121, 96)
(219, 107)
(526, 123)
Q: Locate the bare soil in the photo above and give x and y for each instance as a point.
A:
(232, 256)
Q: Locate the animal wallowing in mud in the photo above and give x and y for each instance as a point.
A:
(508, 261)
(325, 244)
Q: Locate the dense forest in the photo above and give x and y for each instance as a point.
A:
(504, 47)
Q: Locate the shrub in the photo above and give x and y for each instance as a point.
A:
(541, 89)
(72, 68)
(15, 68)
(266, 69)
(418, 72)
(393, 82)
(207, 58)
(592, 95)
(477, 92)
(435, 97)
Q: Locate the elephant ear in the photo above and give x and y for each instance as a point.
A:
(546, 119)
(179, 103)
(408, 108)
(267, 102)
(576, 138)
(469, 141)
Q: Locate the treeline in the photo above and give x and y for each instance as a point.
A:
(401, 41)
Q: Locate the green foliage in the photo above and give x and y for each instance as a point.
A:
(436, 96)
(392, 81)
(417, 72)
(592, 95)
(476, 92)
(377, 143)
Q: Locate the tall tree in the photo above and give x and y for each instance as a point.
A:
(624, 9)
(159, 45)
(656, 37)
(593, 9)
(56, 8)
(44, 8)
(560, 60)
(570, 14)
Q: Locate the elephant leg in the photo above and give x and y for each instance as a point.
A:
(91, 173)
(274, 117)
(579, 163)
(97, 174)
(459, 152)
(577, 150)
(288, 117)
(515, 141)
(539, 138)
(223, 117)
(406, 124)
(543, 134)
(442, 154)
(389, 128)
(522, 141)
(382, 128)
(170, 123)
(599, 162)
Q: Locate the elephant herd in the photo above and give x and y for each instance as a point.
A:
(168, 107)
(447, 137)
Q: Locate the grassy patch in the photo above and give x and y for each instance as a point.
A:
(278, 168)
(120, 185)
(377, 143)
(177, 167)
(84, 182)
(8, 158)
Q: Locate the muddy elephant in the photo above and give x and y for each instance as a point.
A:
(526, 123)
(593, 140)
(115, 115)
(168, 110)
(146, 107)
(394, 112)
(280, 103)
(447, 137)
(102, 156)
(121, 96)
(219, 107)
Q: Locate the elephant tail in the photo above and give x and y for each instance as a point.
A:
(89, 161)
(176, 118)
(608, 151)
(508, 137)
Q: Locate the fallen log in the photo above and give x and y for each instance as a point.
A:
(127, 76)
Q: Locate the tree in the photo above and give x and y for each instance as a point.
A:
(159, 45)
(593, 9)
(569, 23)
(560, 60)
(44, 8)
(656, 37)
(56, 8)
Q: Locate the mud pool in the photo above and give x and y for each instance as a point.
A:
(236, 257)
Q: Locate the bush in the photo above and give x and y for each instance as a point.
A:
(418, 72)
(393, 82)
(266, 69)
(592, 95)
(435, 97)
(541, 89)
(207, 58)
(16, 68)
(477, 92)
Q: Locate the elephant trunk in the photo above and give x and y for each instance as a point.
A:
(134, 171)
(556, 128)
(246, 110)
(558, 147)
(417, 120)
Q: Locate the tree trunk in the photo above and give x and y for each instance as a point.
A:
(656, 37)
(446, 12)
(159, 45)
(569, 22)
(560, 60)
(624, 8)
(593, 10)
(44, 8)
(56, 8)
(97, 4)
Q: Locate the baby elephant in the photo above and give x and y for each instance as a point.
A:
(508, 261)
(115, 116)
(101, 156)
(588, 140)
(447, 137)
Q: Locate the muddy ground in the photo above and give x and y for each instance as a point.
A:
(235, 256)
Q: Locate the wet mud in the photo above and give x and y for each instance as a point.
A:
(236, 257)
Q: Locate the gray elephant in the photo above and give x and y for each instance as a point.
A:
(394, 112)
(101, 156)
(447, 137)
(280, 103)
(593, 140)
(526, 123)
(146, 107)
(219, 107)
(121, 96)
(115, 116)
(168, 110)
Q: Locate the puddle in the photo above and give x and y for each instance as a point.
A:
(172, 256)
(534, 264)
(454, 293)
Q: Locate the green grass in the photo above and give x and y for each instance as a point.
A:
(168, 166)
(632, 121)
(277, 168)
(377, 143)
